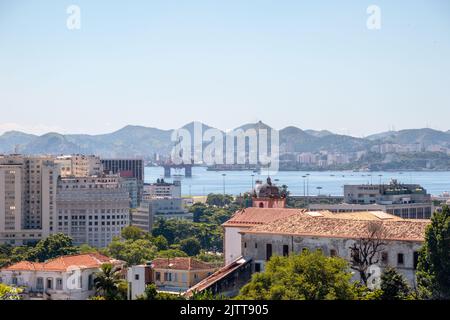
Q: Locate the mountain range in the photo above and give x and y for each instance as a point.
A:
(145, 141)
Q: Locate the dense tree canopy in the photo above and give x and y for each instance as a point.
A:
(433, 270)
(308, 276)
(393, 285)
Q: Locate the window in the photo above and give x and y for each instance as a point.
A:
(285, 250)
(49, 283)
(59, 284)
(400, 259)
(384, 257)
(416, 259)
(268, 251)
(333, 253)
(257, 267)
(40, 284)
(136, 277)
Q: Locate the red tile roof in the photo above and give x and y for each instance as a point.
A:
(181, 264)
(64, 263)
(250, 217)
(216, 276)
(350, 225)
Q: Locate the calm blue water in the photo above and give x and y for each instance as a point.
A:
(236, 182)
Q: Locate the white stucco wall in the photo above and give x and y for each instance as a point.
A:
(232, 246)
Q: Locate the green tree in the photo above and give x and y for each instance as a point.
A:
(308, 276)
(108, 282)
(206, 296)
(191, 246)
(393, 285)
(54, 246)
(171, 253)
(150, 293)
(219, 200)
(132, 233)
(198, 211)
(9, 293)
(85, 248)
(132, 252)
(433, 270)
(161, 243)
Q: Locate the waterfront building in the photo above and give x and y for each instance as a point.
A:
(92, 210)
(163, 189)
(63, 278)
(410, 201)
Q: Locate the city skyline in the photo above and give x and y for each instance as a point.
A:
(162, 65)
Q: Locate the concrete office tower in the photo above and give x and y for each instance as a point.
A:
(92, 210)
(27, 198)
(127, 168)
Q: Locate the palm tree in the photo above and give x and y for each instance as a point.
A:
(108, 281)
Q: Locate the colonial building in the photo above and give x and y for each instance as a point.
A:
(264, 196)
(64, 278)
(175, 275)
(334, 234)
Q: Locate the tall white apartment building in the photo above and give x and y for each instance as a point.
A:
(92, 210)
(79, 165)
(27, 198)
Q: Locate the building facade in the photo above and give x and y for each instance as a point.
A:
(131, 168)
(162, 189)
(27, 198)
(334, 235)
(63, 278)
(92, 210)
(142, 217)
(409, 201)
(175, 275)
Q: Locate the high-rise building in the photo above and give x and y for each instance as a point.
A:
(128, 168)
(27, 197)
(92, 210)
(79, 165)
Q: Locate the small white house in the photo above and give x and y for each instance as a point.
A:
(64, 278)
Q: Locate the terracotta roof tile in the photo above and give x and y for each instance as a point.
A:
(181, 264)
(258, 216)
(63, 263)
(350, 225)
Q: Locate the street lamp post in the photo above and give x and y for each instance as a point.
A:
(224, 175)
(319, 188)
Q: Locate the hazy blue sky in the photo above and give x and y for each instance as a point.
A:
(165, 63)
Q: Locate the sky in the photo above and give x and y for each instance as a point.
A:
(164, 63)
